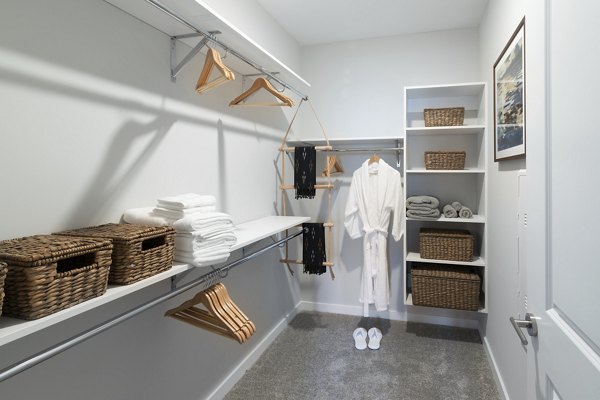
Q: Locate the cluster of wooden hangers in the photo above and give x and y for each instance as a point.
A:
(213, 61)
(221, 316)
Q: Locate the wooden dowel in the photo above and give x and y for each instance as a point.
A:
(317, 186)
(328, 225)
(325, 263)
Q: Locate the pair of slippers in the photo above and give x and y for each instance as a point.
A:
(361, 335)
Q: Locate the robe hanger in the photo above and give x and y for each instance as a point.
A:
(374, 158)
(221, 316)
(333, 167)
(213, 60)
(261, 83)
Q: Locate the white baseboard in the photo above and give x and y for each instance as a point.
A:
(230, 380)
(495, 370)
(390, 314)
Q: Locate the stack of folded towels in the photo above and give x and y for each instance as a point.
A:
(456, 209)
(202, 235)
(204, 239)
(422, 207)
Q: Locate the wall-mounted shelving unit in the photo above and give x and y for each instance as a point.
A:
(468, 186)
(12, 329)
(199, 15)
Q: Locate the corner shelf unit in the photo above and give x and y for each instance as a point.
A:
(468, 186)
(12, 329)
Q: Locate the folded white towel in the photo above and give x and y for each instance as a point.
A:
(164, 212)
(201, 261)
(196, 222)
(203, 253)
(187, 244)
(187, 200)
(208, 233)
(145, 216)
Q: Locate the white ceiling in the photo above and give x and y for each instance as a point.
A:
(326, 21)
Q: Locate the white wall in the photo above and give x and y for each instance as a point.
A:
(357, 90)
(498, 25)
(91, 125)
(358, 86)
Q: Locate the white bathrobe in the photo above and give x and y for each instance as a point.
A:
(375, 194)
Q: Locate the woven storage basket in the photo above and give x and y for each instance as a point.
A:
(445, 159)
(444, 116)
(440, 244)
(3, 270)
(139, 251)
(49, 273)
(446, 287)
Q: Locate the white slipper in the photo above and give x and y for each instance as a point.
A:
(375, 336)
(360, 338)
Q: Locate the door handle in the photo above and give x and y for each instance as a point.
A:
(529, 323)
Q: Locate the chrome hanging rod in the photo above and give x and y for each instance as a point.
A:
(379, 150)
(67, 344)
(358, 150)
(225, 47)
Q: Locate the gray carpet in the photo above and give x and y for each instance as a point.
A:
(315, 358)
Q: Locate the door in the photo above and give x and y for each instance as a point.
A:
(563, 166)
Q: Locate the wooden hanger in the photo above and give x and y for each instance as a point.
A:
(333, 167)
(221, 316)
(261, 83)
(221, 288)
(374, 158)
(213, 60)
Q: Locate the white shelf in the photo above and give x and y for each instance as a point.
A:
(416, 257)
(12, 329)
(202, 17)
(253, 231)
(409, 302)
(445, 171)
(446, 130)
(452, 90)
(477, 219)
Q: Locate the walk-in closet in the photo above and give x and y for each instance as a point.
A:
(298, 199)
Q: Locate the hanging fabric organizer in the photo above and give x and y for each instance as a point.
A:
(327, 185)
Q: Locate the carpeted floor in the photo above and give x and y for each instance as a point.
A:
(315, 358)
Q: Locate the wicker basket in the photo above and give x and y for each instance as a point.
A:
(445, 159)
(444, 116)
(446, 287)
(49, 273)
(3, 270)
(440, 244)
(139, 251)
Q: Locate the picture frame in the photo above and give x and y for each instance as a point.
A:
(509, 98)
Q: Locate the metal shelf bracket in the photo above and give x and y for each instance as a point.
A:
(176, 67)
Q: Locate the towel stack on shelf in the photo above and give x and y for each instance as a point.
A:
(422, 207)
(204, 238)
(456, 209)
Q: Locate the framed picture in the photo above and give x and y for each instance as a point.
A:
(509, 98)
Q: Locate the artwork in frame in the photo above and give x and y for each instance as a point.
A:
(509, 98)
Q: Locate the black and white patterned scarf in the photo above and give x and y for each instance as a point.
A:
(305, 172)
(313, 249)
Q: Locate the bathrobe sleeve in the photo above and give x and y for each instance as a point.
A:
(352, 221)
(398, 209)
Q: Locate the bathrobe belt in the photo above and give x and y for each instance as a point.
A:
(372, 243)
